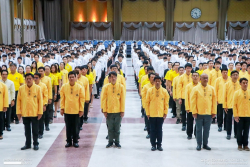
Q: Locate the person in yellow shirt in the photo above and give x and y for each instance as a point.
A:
(210, 67)
(243, 73)
(4, 105)
(140, 82)
(230, 69)
(17, 78)
(237, 67)
(37, 79)
(49, 109)
(203, 107)
(39, 64)
(157, 100)
(241, 111)
(214, 74)
(228, 92)
(218, 87)
(142, 71)
(67, 66)
(72, 105)
(55, 72)
(185, 79)
(64, 73)
(175, 87)
(113, 108)
(28, 69)
(120, 79)
(188, 90)
(151, 77)
(145, 79)
(30, 108)
(34, 67)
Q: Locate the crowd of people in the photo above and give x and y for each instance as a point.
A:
(207, 83)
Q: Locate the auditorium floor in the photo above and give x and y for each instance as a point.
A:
(135, 151)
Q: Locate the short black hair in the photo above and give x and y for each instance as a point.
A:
(237, 63)
(150, 68)
(72, 73)
(180, 68)
(13, 64)
(112, 73)
(157, 77)
(234, 71)
(29, 74)
(243, 79)
(4, 71)
(243, 63)
(113, 65)
(224, 69)
(85, 67)
(43, 68)
(38, 74)
(217, 62)
(188, 65)
(151, 74)
(145, 62)
(195, 72)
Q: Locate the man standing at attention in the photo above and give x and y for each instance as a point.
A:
(203, 107)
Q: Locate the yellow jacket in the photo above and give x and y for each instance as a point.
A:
(68, 67)
(141, 73)
(44, 92)
(228, 93)
(203, 100)
(120, 80)
(175, 85)
(102, 96)
(207, 71)
(144, 81)
(17, 79)
(243, 74)
(91, 79)
(218, 87)
(46, 80)
(4, 96)
(241, 103)
(29, 101)
(72, 98)
(144, 93)
(213, 75)
(183, 81)
(40, 64)
(113, 98)
(85, 83)
(171, 75)
(64, 74)
(157, 102)
(188, 91)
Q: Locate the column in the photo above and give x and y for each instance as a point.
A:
(117, 19)
(36, 18)
(22, 25)
(223, 6)
(169, 19)
(12, 21)
(65, 19)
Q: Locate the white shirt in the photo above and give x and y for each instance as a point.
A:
(11, 89)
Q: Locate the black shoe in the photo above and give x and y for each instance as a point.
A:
(85, 122)
(206, 147)
(142, 116)
(160, 148)
(198, 148)
(40, 136)
(171, 111)
(8, 129)
(96, 97)
(107, 137)
(173, 116)
(75, 145)
(109, 145)
(178, 121)
(148, 137)
(51, 121)
(145, 129)
(183, 128)
(189, 137)
(118, 145)
(55, 116)
(47, 128)
(228, 137)
(58, 111)
(68, 145)
(78, 137)
(213, 122)
(25, 147)
(235, 136)
(36, 147)
(80, 128)
(220, 129)
(17, 122)
(153, 148)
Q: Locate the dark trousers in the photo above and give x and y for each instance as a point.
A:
(156, 130)
(7, 115)
(114, 123)
(147, 122)
(142, 111)
(98, 87)
(203, 123)
(72, 129)
(183, 113)
(86, 111)
(190, 124)
(220, 112)
(243, 131)
(28, 121)
(13, 110)
(1, 122)
(46, 115)
(173, 106)
(229, 123)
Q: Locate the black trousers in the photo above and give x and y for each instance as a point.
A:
(28, 121)
(229, 123)
(46, 115)
(190, 124)
(7, 115)
(243, 131)
(1, 122)
(220, 112)
(142, 110)
(13, 111)
(98, 87)
(147, 122)
(86, 111)
(183, 113)
(156, 130)
(72, 129)
(173, 106)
